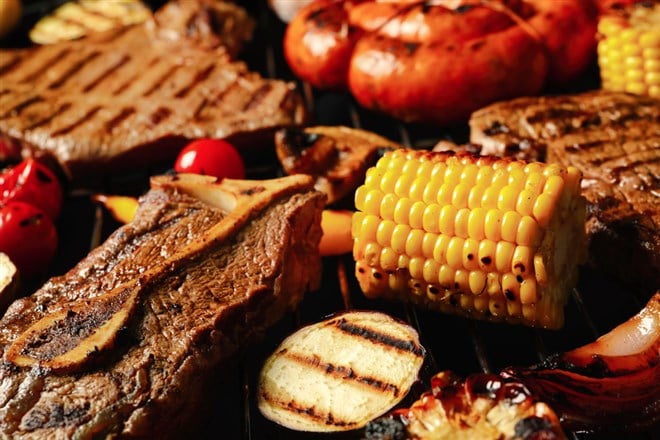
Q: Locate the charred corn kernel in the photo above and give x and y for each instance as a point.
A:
(470, 254)
(468, 241)
(486, 255)
(629, 48)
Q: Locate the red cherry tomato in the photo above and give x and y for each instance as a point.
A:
(28, 236)
(212, 157)
(33, 183)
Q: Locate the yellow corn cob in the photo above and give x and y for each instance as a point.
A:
(629, 50)
(484, 237)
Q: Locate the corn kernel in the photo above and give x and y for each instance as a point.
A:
(522, 260)
(446, 276)
(416, 215)
(494, 285)
(510, 222)
(455, 252)
(372, 253)
(430, 271)
(476, 195)
(540, 270)
(428, 244)
(416, 268)
(510, 286)
(424, 171)
(402, 210)
(514, 308)
(387, 205)
(414, 243)
(507, 199)
(417, 188)
(477, 281)
(446, 220)
(444, 194)
(503, 255)
(493, 225)
(460, 196)
(490, 197)
(528, 291)
(529, 233)
(440, 249)
(543, 209)
(399, 237)
(529, 312)
(404, 261)
(356, 223)
(485, 176)
(476, 223)
(453, 174)
(486, 255)
(471, 254)
(466, 302)
(461, 223)
(431, 191)
(369, 227)
(462, 280)
(525, 202)
(431, 218)
(638, 88)
(384, 232)
(652, 78)
(388, 181)
(497, 307)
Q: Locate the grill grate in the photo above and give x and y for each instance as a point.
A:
(464, 346)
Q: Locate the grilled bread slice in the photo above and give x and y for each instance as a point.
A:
(338, 374)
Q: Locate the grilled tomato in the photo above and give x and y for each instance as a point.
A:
(32, 182)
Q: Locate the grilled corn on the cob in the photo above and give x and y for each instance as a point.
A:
(629, 49)
(483, 237)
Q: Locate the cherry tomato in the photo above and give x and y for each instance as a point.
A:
(32, 182)
(28, 236)
(212, 157)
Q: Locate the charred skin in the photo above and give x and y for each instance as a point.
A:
(422, 61)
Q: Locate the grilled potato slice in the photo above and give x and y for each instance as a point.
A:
(338, 374)
(76, 19)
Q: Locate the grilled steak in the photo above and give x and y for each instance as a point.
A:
(127, 341)
(134, 96)
(614, 139)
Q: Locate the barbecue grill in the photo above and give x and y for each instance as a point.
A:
(453, 343)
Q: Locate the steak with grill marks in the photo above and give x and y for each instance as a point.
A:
(614, 139)
(134, 96)
(157, 309)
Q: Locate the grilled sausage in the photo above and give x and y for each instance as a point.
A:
(438, 62)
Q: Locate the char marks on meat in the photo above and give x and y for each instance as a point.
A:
(203, 296)
(614, 139)
(134, 96)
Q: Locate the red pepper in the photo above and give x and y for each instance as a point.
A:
(32, 182)
(28, 236)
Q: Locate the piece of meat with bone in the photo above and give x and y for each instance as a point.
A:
(133, 97)
(614, 140)
(127, 342)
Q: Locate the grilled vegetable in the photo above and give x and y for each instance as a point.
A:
(629, 49)
(338, 374)
(483, 406)
(32, 182)
(483, 237)
(76, 19)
